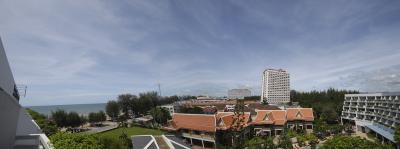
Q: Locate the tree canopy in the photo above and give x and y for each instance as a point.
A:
(327, 104)
(341, 141)
(112, 109)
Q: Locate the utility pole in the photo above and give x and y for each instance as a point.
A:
(159, 89)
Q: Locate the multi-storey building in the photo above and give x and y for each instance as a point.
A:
(374, 113)
(275, 86)
(238, 93)
(17, 129)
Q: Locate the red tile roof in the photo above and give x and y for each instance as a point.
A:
(199, 122)
(274, 117)
(227, 119)
(305, 114)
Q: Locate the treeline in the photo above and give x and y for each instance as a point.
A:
(133, 105)
(327, 104)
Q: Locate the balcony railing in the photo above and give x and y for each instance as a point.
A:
(201, 136)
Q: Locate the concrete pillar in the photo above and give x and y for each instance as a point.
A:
(191, 141)
(202, 143)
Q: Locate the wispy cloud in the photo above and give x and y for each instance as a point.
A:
(91, 51)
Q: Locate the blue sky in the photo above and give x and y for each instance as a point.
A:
(90, 51)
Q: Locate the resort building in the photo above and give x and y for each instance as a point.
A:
(238, 93)
(18, 129)
(269, 122)
(300, 118)
(206, 130)
(374, 113)
(196, 129)
(273, 122)
(275, 86)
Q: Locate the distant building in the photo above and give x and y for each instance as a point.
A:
(374, 113)
(169, 108)
(238, 93)
(275, 86)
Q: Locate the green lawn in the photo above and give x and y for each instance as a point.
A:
(131, 131)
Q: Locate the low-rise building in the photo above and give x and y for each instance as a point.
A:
(206, 130)
(197, 129)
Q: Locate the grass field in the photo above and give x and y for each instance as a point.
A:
(131, 131)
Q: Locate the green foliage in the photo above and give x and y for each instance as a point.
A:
(48, 127)
(64, 119)
(191, 110)
(326, 104)
(160, 115)
(125, 101)
(285, 142)
(341, 141)
(74, 120)
(60, 117)
(75, 141)
(260, 143)
(112, 109)
(95, 117)
(397, 135)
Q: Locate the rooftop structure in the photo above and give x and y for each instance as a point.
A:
(275, 86)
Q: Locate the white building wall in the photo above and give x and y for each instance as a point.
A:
(6, 77)
(275, 86)
(380, 109)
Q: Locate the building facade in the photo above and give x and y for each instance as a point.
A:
(206, 130)
(238, 93)
(275, 86)
(18, 129)
(374, 113)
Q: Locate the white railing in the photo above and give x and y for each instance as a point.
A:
(44, 141)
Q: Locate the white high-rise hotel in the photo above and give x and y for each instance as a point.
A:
(275, 86)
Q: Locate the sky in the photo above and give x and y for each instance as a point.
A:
(73, 52)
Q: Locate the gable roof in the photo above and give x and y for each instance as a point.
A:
(199, 122)
(275, 117)
(306, 114)
(227, 119)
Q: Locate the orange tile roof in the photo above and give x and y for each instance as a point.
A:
(305, 114)
(227, 119)
(274, 117)
(199, 122)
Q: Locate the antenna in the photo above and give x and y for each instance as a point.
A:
(22, 89)
(159, 89)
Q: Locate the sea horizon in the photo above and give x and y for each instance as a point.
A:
(82, 109)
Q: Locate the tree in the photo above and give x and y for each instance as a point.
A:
(341, 141)
(124, 102)
(112, 109)
(191, 110)
(397, 135)
(95, 117)
(160, 115)
(74, 120)
(60, 117)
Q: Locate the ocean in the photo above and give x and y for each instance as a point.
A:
(82, 109)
